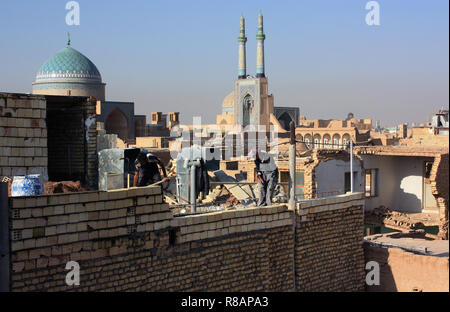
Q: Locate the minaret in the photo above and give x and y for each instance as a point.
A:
(242, 40)
(260, 48)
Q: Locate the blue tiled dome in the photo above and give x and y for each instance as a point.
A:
(68, 65)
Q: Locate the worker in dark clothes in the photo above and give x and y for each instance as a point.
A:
(267, 176)
(147, 171)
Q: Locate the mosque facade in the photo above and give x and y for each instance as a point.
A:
(250, 102)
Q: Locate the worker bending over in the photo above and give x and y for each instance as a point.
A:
(267, 176)
(147, 171)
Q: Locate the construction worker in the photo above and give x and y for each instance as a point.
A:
(267, 176)
(147, 171)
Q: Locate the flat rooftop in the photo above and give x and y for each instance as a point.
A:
(433, 248)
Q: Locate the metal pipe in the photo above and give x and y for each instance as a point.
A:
(193, 197)
(4, 239)
(292, 167)
(292, 201)
(194, 164)
(351, 166)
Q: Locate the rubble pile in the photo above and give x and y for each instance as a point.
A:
(384, 216)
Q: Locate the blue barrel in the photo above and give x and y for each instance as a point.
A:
(29, 185)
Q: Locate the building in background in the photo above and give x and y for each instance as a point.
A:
(250, 102)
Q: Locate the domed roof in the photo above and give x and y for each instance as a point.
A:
(68, 65)
(228, 101)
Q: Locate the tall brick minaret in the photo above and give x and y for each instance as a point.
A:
(242, 53)
(260, 48)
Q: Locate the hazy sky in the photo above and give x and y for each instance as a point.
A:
(182, 55)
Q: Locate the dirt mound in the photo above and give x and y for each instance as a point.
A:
(63, 187)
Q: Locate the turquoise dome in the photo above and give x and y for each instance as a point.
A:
(68, 65)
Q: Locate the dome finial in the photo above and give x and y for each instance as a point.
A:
(68, 38)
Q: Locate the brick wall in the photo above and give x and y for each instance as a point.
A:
(128, 240)
(439, 186)
(72, 145)
(48, 135)
(23, 135)
(328, 252)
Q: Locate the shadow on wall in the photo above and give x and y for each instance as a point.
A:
(407, 201)
(387, 281)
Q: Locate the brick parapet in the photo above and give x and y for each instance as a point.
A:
(128, 240)
(23, 135)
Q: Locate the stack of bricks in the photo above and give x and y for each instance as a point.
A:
(23, 135)
(328, 248)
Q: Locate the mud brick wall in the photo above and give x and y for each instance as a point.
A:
(404, 271)
(328, 246)
(23, 135)
(129, 240)
(72, 139)
(439, 177)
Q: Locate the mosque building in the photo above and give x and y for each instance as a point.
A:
(250, 102)
(70, 73)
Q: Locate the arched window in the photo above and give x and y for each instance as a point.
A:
(308, 140)
(346, 140)
(326, 141)
(247, 109)
(317, 142)
(117, 123)
(336, 139)
(285, 120)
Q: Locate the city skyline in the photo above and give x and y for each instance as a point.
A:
(321, 58)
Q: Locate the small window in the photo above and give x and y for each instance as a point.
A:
(347, 181)
(316, 143)
(371, 182)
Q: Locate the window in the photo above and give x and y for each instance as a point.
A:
(299, 182)
(371, 182)
(345, 142)
(335, 143)
(347, 187)
(316, 143)
(307, 143)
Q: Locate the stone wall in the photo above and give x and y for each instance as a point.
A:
(328, 245)
(23, 135)
(128, 240)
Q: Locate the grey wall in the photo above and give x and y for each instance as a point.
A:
(330, 176)
(400, 182)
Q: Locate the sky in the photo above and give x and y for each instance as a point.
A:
(178, 55)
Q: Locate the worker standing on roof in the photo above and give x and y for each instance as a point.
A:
(147, 171)
(267, 176)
